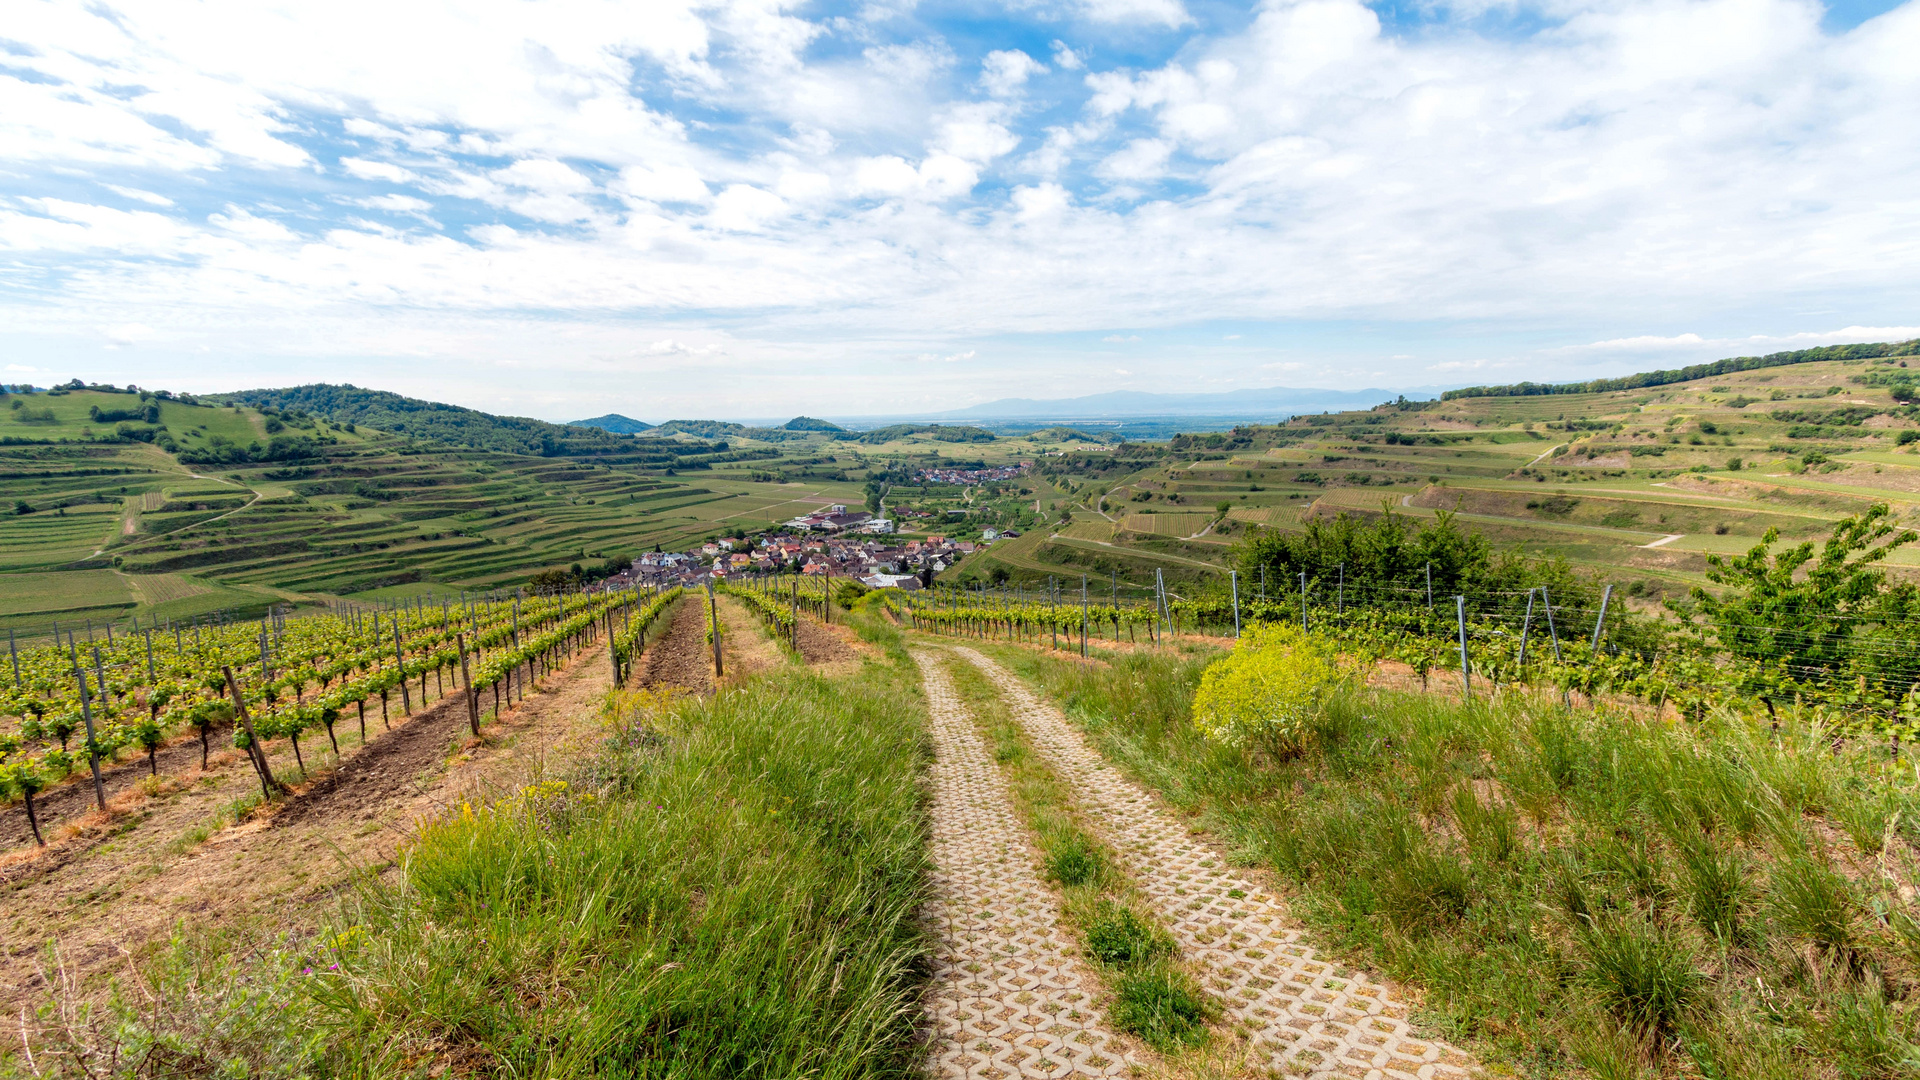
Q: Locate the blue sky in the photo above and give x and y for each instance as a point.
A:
(723, 208)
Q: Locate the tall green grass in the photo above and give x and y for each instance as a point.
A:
(1570, 891)
(727, 888)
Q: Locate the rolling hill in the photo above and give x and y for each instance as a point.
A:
(614, 422)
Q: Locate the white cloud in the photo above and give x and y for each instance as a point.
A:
(148, 197)
(127, 335)
(1141, 159)
(1168, 13)
(746, 208)
(670, 347)
(1005, 71)
(663, 183)
(1119, 340)
(398, 204)
(1722, 166)
(377, 170)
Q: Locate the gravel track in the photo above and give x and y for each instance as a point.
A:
(1302, 1015)
(1008, 997)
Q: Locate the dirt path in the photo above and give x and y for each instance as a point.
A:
(1300, 1013)
(825, 645)
(171, 866)
(744, 642)
(681, 657)
(1008, 998)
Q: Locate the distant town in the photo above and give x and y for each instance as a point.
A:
(833, 542)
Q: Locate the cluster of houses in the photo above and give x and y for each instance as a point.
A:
(973, 476)
(832, 543)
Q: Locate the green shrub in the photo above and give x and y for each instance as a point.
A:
(1268, 691)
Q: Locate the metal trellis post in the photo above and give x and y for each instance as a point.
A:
(1466, 676)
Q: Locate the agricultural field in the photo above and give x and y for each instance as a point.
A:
(1635, 486)
(321, 509)
(859, 827)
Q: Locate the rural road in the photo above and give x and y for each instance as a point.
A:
(1665, 540)
(1228, 925)
(1536, 461)
(1006, 981)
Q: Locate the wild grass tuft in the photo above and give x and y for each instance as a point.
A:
(1160, 1006)
(1119, 937)
(1644, 975)
(1075, 861)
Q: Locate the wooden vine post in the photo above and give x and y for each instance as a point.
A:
(400, 665)
(255, 752)
(613, 648)
(93, 748)
(466, 682)
(713, 613)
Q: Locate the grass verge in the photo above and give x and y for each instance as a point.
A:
(726, 888)
(1575, 893)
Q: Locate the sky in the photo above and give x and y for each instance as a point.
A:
(758, 208)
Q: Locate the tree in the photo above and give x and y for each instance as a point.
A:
(1827, 615)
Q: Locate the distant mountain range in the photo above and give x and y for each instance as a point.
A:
(1254, 404)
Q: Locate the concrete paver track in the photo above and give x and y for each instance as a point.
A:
(1008, 998)
(1304, 1016)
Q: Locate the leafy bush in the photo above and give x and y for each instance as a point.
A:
(1268, 691)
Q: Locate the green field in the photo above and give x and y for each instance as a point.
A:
(1631, 486)
(363, 512)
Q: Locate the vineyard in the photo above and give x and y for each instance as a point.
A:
(1558, 637)
(74, 705)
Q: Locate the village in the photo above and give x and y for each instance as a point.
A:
(964, 477)
(832, 542)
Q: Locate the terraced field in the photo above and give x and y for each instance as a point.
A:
(1635, 486)
(303, 508)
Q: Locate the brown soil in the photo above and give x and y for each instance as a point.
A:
(143, 869)
(681, 658)
(744, 644)
(834, 646)
(74, 797)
